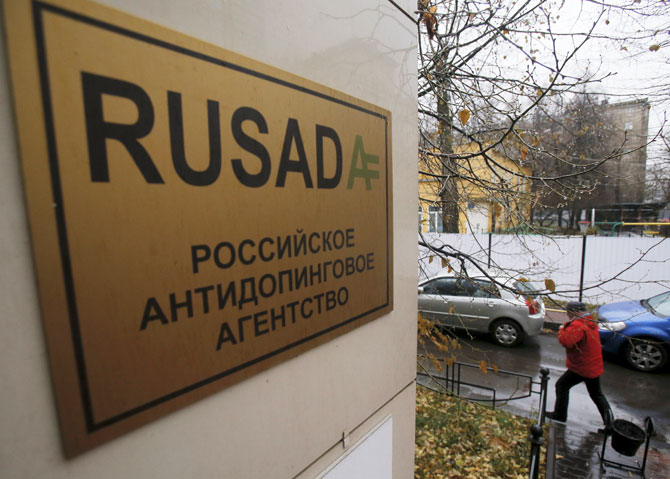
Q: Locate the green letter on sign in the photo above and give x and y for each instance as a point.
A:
(363, 171)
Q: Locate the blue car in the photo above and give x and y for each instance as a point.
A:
(639, 331)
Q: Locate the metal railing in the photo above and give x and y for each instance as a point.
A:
(536, 432)
(452, 382)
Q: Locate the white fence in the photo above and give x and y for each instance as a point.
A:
(615, 268)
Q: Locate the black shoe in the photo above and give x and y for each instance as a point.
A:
(551, 415)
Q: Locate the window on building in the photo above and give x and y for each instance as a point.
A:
(420, 218)
(435, 219)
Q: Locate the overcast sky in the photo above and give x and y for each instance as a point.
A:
(630, 68)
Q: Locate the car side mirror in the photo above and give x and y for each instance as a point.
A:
(420, 289)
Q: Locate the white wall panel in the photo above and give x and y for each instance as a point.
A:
(616, 268)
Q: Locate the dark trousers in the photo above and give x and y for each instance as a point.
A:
(570, 379)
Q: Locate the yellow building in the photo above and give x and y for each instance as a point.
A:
(493, 190)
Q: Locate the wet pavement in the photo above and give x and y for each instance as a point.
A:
(576, 455)
(576, 445)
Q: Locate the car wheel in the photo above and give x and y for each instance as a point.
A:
(645, 355)
(506, 332)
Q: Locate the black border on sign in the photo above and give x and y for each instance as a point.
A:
(91, 424)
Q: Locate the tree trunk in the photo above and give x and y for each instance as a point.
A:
(449, 194)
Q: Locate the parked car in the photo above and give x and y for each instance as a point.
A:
(507, 309)
(639, 331)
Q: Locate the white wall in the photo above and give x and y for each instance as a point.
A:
(370, 458)
(287, 421)
(616, 268)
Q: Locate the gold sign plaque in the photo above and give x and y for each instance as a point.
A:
(196, 216)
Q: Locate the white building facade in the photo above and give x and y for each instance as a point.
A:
(343, 408)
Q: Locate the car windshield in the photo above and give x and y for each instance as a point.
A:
(660, 304)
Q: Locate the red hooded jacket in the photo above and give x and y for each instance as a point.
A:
(581, 340)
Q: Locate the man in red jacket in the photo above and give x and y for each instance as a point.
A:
(580, 338)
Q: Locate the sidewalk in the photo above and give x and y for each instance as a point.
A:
(574, 454)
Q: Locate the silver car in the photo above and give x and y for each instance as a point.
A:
(509, 310)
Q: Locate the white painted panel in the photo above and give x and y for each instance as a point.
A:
(477, 218)
(370, 458)
(616, 268)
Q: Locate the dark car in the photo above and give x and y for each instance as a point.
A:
(639, 331)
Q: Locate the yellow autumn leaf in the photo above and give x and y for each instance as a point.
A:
(482, 366)
(445, 262)
(550, 285)
(464, 116)
(524, 153)
(430, 259)
(654, 48)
